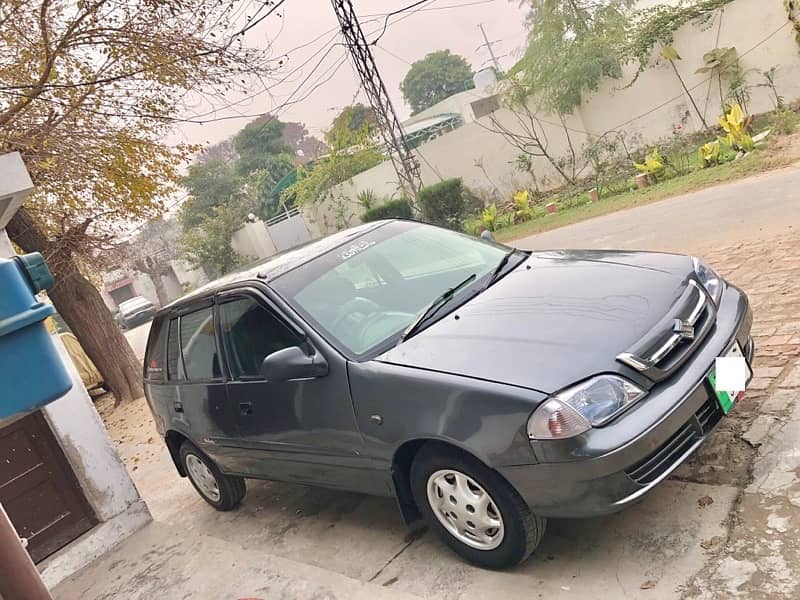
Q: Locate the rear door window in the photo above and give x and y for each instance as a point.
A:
(174, 362)
(154, 366)
(199, 346)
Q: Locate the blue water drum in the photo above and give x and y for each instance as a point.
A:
(32, 373)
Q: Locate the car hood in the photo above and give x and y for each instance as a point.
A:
(555, 319)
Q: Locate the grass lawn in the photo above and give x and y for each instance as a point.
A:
(780, 153)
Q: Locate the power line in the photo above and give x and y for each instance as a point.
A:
(393, 55)
(403, 161)
(397, 12)
(488, 45)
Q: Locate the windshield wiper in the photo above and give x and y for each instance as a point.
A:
(431, 309)
(499, 269)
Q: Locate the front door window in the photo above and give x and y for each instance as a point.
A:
(250, 333)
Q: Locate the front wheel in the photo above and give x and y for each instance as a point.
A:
(223, 492)
(475, 511)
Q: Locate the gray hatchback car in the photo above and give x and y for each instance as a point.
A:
(483, 387)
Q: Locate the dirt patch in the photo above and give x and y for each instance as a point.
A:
(783, 151)
(726, 458)
(130, 426)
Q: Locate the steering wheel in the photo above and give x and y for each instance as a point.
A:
(358, 304)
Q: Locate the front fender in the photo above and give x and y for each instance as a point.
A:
(396, 404)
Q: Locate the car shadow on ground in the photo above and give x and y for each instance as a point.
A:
(660, 542)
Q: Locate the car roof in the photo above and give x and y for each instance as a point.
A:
(135, 301)
(278, 264)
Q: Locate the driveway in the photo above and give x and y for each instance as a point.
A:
(137, 338)
(723, 527)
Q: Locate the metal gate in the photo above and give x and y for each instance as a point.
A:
(38, 488)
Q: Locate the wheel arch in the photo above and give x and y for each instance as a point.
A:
(402, 460)
(174, 440)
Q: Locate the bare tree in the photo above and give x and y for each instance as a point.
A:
(88, 91)
(528, 135)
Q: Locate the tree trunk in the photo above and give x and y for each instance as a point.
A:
(82, 308)
(158, 284)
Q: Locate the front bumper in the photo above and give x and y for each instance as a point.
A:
(610, 468)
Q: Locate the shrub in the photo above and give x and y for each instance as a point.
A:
(473, 226)
(443, 204)
(523, 211)
(653, 164)
(710, 154)
(473, 204)
(367, 199)
(490, 216)
(574, 201)
(784, 122)
(393, 209)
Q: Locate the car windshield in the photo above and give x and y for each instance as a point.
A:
(365, 293)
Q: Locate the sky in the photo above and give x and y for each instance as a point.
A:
(437, 25)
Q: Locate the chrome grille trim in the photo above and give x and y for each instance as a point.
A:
(649, 363)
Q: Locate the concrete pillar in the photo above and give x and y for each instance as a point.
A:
(101, 473)
(99, 470)
(6, 249)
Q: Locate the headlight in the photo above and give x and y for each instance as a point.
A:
(577, 409)
(709, 278)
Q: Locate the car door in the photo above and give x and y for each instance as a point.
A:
(299, 430)
(200, 405)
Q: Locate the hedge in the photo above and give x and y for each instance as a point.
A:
(443, 204)
(393, 209)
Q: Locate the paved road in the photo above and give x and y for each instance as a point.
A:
(137, 338)
(760, 207)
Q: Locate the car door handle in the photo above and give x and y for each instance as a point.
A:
(178, 406)
(246, 408)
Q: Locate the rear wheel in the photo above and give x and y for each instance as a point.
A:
(223, 492)
(475, 511)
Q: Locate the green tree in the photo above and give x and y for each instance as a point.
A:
(437, 76)
(210, 184)
(350, 154)
(572, 47)
(208, 244)
(263, 183)
(353, 118)
(88, 91)
(257, 145)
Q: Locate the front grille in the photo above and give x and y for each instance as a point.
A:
(661, 351)
(709, 415)
(660, 461)
(670, 452)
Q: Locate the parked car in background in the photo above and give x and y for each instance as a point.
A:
(484, 387)
(135, 311)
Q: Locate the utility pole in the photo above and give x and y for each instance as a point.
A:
(403, 160)
(488, 45)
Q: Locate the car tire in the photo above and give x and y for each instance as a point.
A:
(223, 492)
(435, 468)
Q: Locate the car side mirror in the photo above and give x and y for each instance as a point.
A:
(292, 363)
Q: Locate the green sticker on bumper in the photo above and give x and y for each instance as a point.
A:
(725, 399)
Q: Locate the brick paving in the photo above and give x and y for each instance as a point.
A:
(769, 272)
(755, 448)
